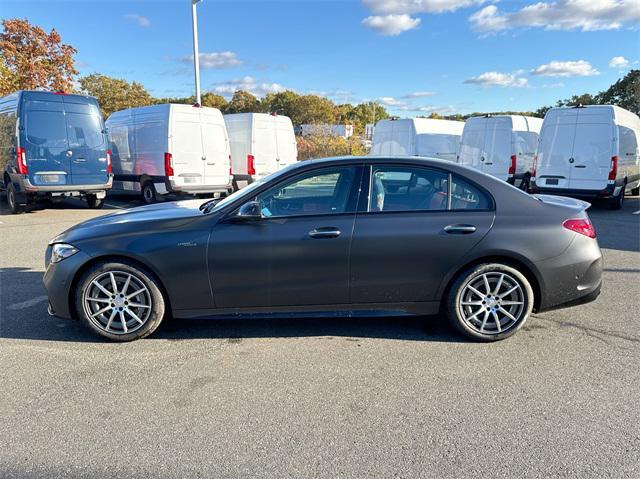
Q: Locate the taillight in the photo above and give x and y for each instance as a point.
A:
(168, 164)
(230, 166)
(251, 167)
(613, 171)
(21, 160)
(581, 225)
(512, 165)
(534, 168)
(109, 166)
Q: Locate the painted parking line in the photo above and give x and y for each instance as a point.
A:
(114, 206)
(27, 304)
(636, 212)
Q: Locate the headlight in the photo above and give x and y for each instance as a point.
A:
(60, 251)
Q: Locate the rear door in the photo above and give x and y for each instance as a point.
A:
(497, 148)
(472, 143)
(45, 139)
(285, 143)
(593, 148)
(186, 146)
(87, 142)
(555, 150)
(265, 146)
(215, 145)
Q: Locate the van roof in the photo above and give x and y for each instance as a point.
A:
(426, 125)
(54, 96)
(512, 122)
(608, 112)
(159, 108)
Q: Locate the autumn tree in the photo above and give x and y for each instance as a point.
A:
(115, 94)
(625, 93)
(32, 58)
(208, 99)
(243, 102)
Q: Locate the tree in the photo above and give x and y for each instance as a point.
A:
(625, 93)
(32, 58)
(115, 94)
(282, 103)
(313, 109)
(243, 102)
(214, 101)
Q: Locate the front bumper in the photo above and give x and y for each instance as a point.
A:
(58, 281)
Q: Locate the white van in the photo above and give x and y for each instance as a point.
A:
(261, 143)
(163, 149)
(589, 151)
(417, 137)
(503, 146)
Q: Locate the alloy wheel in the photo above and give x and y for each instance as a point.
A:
(117, 302)
(492, 303)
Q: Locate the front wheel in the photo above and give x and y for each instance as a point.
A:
(489, 302)
(119, 301)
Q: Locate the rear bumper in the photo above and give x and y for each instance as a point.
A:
(31, 188)
(574, 277)
(609, 191)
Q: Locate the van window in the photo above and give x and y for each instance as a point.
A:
(46, 128)
(465, 196)
(472, 144)
(84, 131)
(119, 136)
(526, 142)
(434, 144)
(405, 188)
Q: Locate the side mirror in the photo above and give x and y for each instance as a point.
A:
(251, 211)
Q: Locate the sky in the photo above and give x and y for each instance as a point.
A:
(413, 56)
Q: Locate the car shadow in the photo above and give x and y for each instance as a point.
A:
(617, 229)
(23, 315)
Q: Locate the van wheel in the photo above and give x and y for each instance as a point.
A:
(149, 195)
(94, 202)
(636, 191)
(616, 202)
(524, 184)
(489, 302)
(15, 208)
(119, 300)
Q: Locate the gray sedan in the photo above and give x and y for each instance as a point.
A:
(339, 236)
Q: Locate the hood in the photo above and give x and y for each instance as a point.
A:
(144, 218)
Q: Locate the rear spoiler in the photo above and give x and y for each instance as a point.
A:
(572, 203)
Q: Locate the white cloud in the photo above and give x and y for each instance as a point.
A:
(579, 68)
(391, 25)
(216, 60)
(419, 94)
(139, 19)
(618, 62)
(250, 84)
(390, 101)
(504, 80)
(418, 6)
(585, 15)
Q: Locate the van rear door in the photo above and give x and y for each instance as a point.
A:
(555, 150)
(265, 147)
(472, 143)
(87, 142)
(285, 143)
(215, 146)
(45, 139)
(592, 149)
(497, 148)
(186, 146)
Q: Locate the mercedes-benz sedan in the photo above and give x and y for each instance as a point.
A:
(341, 236)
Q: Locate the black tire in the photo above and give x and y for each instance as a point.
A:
(468, 327)
(525, 183)
(617, 202)
(14, 207)
(636, 191)
(141, 277)
(149, 195)
(94, 202)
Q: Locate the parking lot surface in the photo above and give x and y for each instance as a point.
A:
(381, 397)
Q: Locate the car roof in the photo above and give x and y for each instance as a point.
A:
(388, 159)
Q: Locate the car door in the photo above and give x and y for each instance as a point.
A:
(298, 253)
(412, 231)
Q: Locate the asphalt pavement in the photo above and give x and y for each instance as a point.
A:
(380, 397)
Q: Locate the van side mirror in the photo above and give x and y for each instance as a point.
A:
(251, 211)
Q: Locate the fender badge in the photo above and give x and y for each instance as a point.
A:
(188, 244)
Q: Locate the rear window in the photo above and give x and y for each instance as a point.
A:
(435, 144)
(84, 131)
(46, 129)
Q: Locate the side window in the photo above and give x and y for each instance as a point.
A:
(400, 188)
(465, 196)
(313, 193)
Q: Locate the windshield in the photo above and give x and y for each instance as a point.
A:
(216, 204)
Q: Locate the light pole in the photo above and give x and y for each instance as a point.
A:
(196, 55)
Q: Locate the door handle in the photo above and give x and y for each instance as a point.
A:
(325, 232)
(460, 229)
(79, 160)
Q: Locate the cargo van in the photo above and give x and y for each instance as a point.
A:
(52, 145)
(169, 149)
(261, 143)
(589, 151)
(503, 146)
(418, 137)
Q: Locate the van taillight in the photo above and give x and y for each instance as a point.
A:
(251, 167)
(168, 164)
(109, 166)
(21, 160)
(534, 168)
(230, 166)
(581, 225)
(512, 165)
(613, 171)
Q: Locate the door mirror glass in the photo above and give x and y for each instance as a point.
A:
(249, 212)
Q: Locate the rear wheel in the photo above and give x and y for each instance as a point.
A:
(489, 302)
(149, 195)
(524, 184)
(12, 200)
(120, 301)
(617, 202)
(94, 202)
(636, 191)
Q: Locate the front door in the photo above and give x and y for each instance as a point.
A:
(298, 253)
(409, 238)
